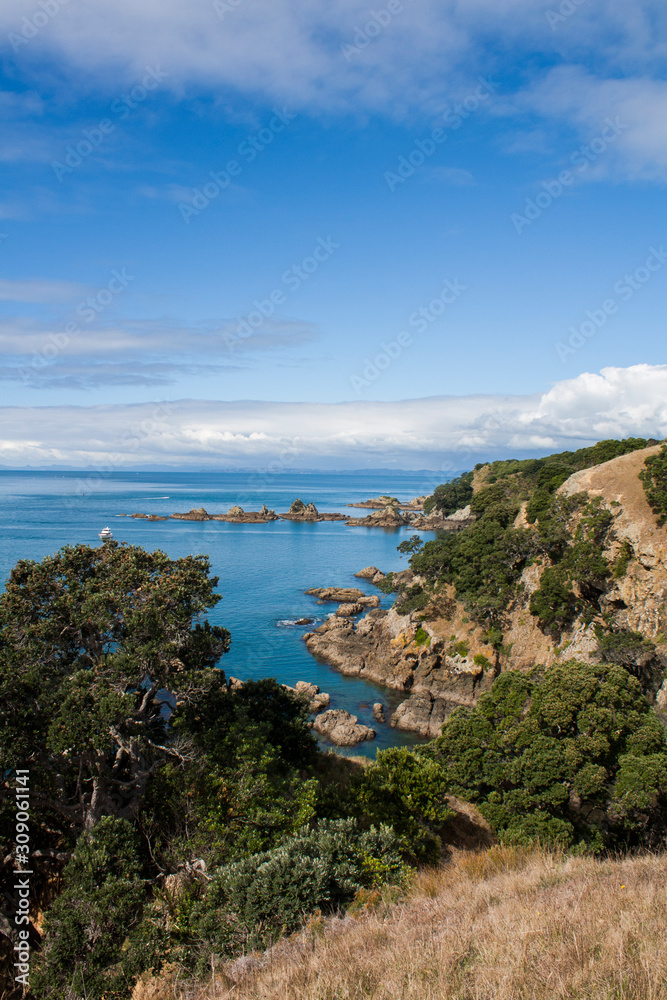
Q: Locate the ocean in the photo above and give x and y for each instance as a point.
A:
(263, 569)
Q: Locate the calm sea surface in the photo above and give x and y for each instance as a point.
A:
(263, 568)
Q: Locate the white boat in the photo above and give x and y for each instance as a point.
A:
(105, 534)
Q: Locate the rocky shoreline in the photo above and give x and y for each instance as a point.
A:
(385, 648)
(398, 652)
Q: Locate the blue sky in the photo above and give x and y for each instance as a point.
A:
(331, 207)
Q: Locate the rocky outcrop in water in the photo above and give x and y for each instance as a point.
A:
(386, 517)
(317, 700)
(237, 515)
(341, 728)
(383, 501)
(300, 511)
(378, 712)
(345, 595)
(196, 514)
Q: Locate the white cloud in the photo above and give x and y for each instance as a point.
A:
(639, 105)
(609, 57)
(134, 353)
(441, 432)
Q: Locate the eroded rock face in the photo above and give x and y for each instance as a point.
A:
(381, 648)
(348, 610)
(341, 728)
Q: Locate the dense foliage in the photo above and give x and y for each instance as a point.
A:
(576, 756)
(485, 561)
(90, 640)
(252, 902)
(654, 479)
(451, 496)
(86, 926)
(408, 792)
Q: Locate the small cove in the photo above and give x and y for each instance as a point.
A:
(263, 569)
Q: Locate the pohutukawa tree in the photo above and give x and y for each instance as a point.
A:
(96, 646)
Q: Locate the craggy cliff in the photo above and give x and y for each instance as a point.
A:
(555, 566)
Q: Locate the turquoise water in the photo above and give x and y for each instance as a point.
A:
(263, 568)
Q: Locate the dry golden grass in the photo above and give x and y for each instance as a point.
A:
(503, 924)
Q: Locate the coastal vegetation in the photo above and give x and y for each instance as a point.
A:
(568, 534)
(654, 478)
(181, 825)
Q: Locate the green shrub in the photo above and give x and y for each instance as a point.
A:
(580, 561)
(88, 923)
(553, 603)
(459, 648)
(251, 903)
(654, 481)
(413, 598)
(387, 585)
(626, 553)
(422, 638)
(481, 661)
(450, 497)
(405, 790)
(576, 757)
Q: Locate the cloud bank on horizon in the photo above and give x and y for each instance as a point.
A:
(443, 433)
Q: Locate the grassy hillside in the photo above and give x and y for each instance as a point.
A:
(506, 924)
